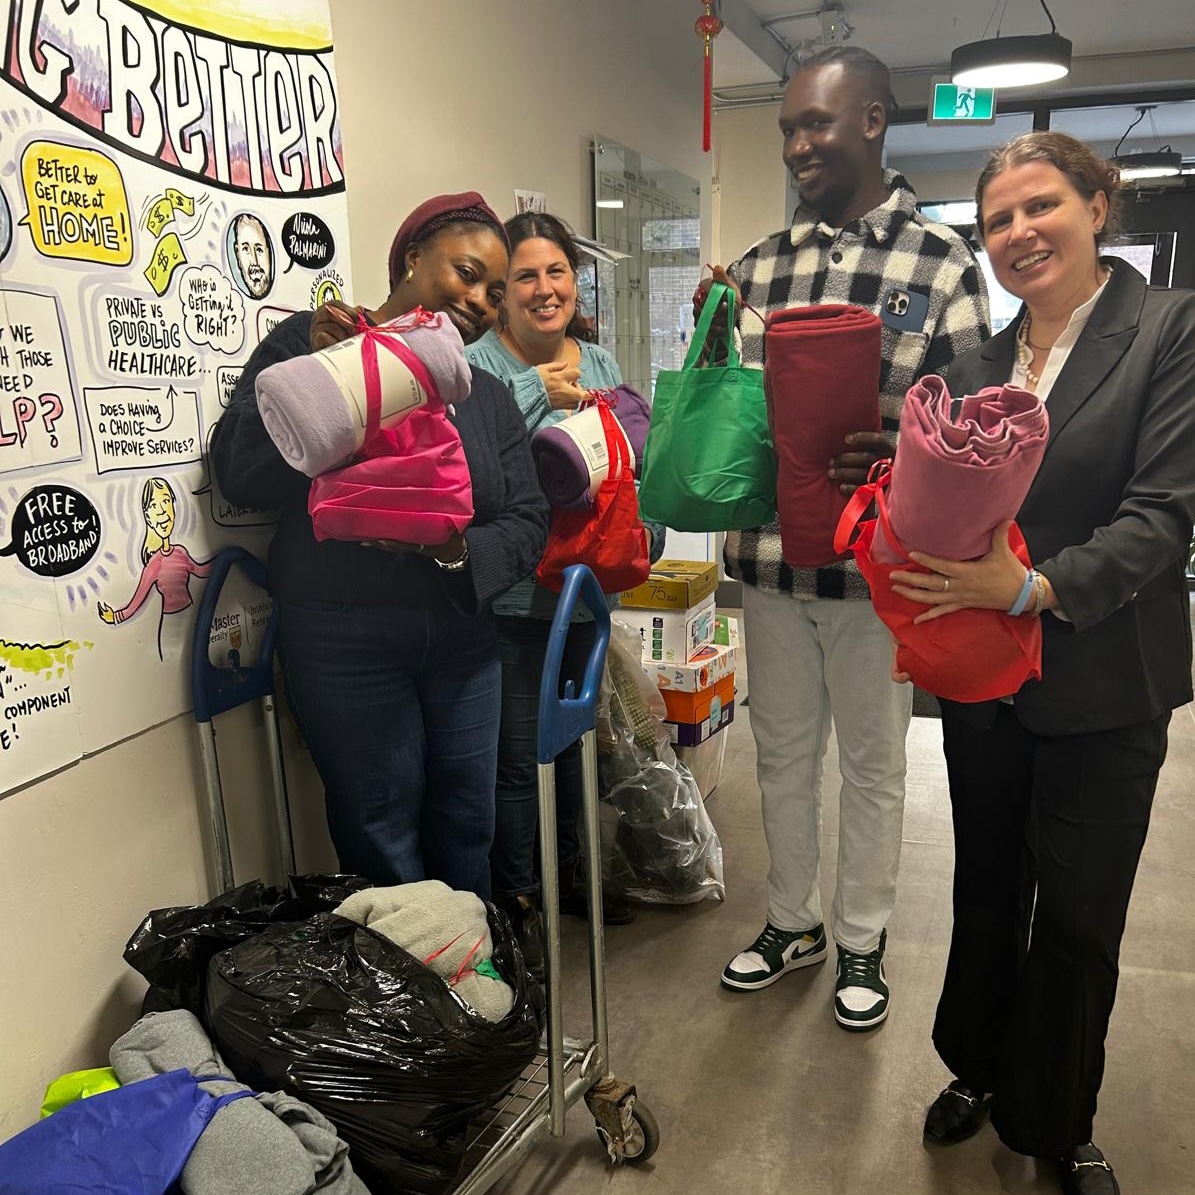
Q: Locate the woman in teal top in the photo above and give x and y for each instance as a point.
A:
(544, 351)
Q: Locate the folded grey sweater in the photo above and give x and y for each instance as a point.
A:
(272, 1145)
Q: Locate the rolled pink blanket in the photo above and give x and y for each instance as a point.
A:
(963, 467)
(314, 406)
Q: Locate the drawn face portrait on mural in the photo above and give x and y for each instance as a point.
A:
(254, 255)
(327, 291)
(158, 508)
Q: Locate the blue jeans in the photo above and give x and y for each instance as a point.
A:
(400, 708)
(523, 643)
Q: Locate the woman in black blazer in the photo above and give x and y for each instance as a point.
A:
(1051, 789)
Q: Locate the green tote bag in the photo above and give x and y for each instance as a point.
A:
(709, 464)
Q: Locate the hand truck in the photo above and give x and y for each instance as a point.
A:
(566, 1069)
(216, 690)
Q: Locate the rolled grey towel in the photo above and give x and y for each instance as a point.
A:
(447, 930)
(272, 1145)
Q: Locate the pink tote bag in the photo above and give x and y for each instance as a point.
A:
(410, 483)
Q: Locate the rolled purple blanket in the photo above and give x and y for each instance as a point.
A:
(571, 459)
(633, 411)
(314, 406)
(963, 467)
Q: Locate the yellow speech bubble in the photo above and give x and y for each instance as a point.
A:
(77, 204)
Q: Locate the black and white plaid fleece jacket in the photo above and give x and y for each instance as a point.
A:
(892, 252)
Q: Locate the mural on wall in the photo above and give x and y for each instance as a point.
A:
(172, 188)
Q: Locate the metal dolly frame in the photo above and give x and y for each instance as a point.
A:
(568, 1069)
(215, 691)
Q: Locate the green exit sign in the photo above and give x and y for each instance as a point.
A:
(962, 105)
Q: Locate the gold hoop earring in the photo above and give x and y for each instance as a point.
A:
(410, 273)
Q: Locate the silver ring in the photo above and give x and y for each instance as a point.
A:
(945, 584)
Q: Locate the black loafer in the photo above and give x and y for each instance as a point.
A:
(957, 1113)
(1086, 1172)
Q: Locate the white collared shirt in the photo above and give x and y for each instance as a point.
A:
(1061, 349)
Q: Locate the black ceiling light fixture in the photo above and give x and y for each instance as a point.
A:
(1158, 163)
(1012, 61)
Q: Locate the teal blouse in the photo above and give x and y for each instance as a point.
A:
(599, 371)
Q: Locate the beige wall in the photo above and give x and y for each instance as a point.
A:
(750, 192)
(493, 95)
(485, 94)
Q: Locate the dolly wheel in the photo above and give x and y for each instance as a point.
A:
(643, 1137)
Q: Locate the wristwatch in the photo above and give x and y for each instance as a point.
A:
(454, 566)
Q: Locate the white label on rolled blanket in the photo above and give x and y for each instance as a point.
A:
(401, 393)
(586, 431)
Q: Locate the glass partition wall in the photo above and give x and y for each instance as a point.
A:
(648, 219)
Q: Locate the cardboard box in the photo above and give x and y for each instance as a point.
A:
(705, 761)
(680, 706)
(689, 734)
(726, 631)
(706, 668)
(670, 636)
(674, 585)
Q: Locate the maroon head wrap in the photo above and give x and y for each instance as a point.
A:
(436, 213)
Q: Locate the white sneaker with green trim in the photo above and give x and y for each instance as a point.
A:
(861, 994)
(772, 954)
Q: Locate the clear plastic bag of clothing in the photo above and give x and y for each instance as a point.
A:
(658, 843)
(352, 1024)
(172, 947)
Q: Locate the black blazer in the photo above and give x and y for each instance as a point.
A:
(1109, 515)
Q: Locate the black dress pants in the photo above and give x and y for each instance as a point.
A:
(1047, 833)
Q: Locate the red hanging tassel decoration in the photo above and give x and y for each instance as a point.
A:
(707, 28)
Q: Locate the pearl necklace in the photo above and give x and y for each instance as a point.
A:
(1025, 351)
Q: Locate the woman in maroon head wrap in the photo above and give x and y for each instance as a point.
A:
(389, 652)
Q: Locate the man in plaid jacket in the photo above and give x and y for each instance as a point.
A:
(816, 651)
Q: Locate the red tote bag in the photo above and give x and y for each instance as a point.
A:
(609, 536)
(970, 655)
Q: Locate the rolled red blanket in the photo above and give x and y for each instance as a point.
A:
(822, 381)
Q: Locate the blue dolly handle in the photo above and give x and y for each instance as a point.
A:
(216, 690)
(562, 720)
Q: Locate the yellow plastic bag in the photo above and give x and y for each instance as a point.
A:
(77, 1085)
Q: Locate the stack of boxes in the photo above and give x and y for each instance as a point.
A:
(673, 612)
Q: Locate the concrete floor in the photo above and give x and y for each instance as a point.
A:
(762, 1092)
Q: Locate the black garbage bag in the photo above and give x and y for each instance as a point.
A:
(348, 1021)
(172, 947)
